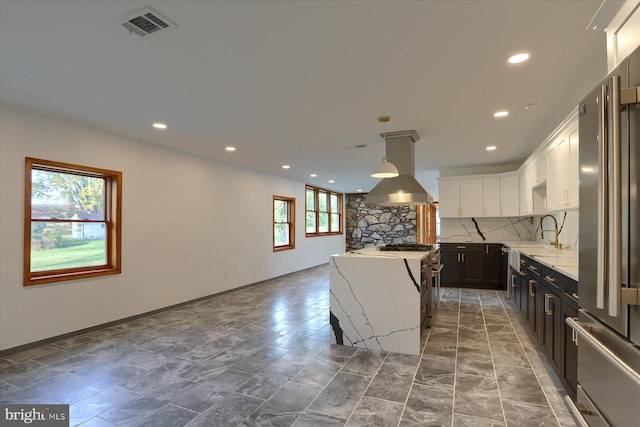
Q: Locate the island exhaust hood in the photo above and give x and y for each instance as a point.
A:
(402, 190)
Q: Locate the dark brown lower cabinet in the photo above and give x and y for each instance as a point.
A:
(570, 362)
(546, 298)
(471, 265)
(553, 329)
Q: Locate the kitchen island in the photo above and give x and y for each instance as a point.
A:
(378, 299)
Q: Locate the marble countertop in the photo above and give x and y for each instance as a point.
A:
(375, 252)
(564, 261)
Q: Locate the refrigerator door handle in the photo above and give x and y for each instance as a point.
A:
(615, 201)
(603, 350)
(603, 185)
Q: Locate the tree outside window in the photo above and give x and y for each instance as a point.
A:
(72, 221)
(283, 223)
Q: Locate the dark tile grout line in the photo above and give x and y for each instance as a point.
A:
(493, 364)
(553, 410)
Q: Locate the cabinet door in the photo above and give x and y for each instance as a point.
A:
(491, 199)
(451, 273)
(522, 186)
(535, 307)
(471, 198)
(570, 362)
(574, 168)
(493, 268)
(552, 330)
(449, 198)
(509, 195)
(563, 173)
(473, 268)
(552, 179)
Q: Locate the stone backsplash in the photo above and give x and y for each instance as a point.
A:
(371, 225)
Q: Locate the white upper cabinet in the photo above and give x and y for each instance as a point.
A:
(552, 176)
(471, 197)
(574, 164)
(449, 198)
(562, 168)
(478, 196)
(491, 191)
(509, 194)
(623, 33)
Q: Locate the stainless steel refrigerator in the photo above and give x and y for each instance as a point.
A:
(608, 328)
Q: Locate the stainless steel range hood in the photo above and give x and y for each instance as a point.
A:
(403, 189)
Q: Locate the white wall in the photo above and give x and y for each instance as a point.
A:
(186, 221)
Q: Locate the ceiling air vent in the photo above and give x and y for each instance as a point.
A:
(146, 21)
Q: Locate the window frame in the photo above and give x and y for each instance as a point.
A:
(112, 221)
(316, 211)
(291, 221)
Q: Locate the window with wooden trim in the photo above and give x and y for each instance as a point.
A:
(323, 212)
(284, 222)
(72, 221)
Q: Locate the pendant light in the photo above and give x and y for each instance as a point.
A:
(385, 169)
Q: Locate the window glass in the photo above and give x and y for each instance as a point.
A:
(72, 221)
(283, 223)
(323, 212)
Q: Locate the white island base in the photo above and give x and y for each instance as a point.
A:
(375, 300)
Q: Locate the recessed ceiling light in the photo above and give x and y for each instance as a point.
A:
(286, 167)
(331, 181)
(230, 148)
(518, 58)
(313, 175)
(501, 113)
(159, 125)
(531, 106)
(359, 190)
(491, 148)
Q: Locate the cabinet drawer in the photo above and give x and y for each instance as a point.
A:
(471, 247)
(552, 280)
(571, 293)
(530, 266)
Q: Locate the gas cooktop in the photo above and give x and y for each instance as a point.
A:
(407, 247)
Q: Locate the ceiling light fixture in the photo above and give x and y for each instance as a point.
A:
(331, 181)
(230, 148)
(313, 175)
(286, 167)
(501, 114)
(491, 148)
(359, 190)
(159, 125)
(531, 106)
(385, 169)
(518, 58)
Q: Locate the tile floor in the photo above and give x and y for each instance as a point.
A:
(261, 356)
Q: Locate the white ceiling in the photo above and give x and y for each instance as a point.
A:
(296, 81)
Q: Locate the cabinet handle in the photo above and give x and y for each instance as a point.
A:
(566, 196)
(531, 293)
(550, 279)
(547, 298)
(461, 212)
(522, 273)
(462, 257)
(486, 249)
(574, 295)
(458, 257)
(513, 281)
(501, 211)
(532, 268)
(461, 247)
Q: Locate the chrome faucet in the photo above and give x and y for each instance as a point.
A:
(542, 230)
